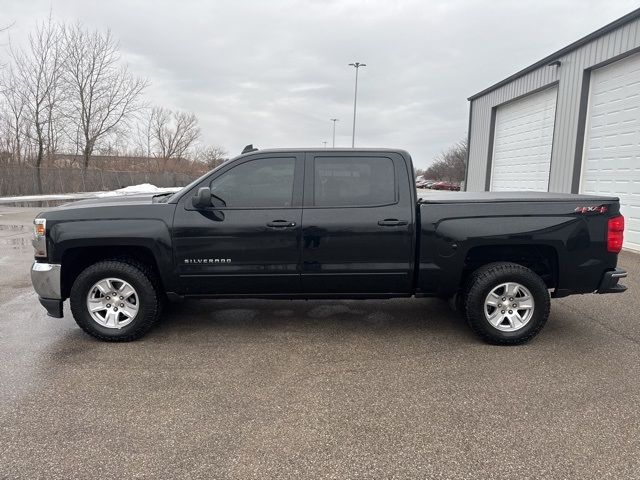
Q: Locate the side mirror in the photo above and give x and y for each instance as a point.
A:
(202, 199)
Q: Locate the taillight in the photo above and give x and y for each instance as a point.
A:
(615, 234)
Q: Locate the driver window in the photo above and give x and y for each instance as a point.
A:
(266, 182)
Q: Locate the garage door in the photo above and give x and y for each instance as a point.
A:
(523, 136)
(611, 164)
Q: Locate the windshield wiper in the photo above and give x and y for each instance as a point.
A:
(165, 194)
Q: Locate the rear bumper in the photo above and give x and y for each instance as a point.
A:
(609, 282)
(45, 278)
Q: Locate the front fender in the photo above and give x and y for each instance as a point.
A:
(151, 234)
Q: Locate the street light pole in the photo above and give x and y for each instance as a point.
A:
(357, 66)
(334, 120)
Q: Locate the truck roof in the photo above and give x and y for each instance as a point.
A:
(328, 150)
(497, 197)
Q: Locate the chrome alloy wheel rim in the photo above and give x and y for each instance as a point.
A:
(113, 303)
(509, 307)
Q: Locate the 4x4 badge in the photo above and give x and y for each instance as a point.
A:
(591, 209)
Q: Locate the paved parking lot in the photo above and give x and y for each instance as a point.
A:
(318, 389)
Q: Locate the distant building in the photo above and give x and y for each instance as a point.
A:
(568, 123)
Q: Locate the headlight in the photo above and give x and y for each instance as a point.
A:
(40, 237)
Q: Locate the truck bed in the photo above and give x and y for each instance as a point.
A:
(435, 196)
(462, 229)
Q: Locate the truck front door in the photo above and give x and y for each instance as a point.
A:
(358, 224)
(249, 241)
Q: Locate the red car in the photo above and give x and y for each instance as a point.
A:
(446, 186)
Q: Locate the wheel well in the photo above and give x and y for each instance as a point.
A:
(75, 260)
(542, 259)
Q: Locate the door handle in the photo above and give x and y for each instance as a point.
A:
(392, 222)
(281, 224)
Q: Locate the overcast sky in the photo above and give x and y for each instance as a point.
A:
(273, 73)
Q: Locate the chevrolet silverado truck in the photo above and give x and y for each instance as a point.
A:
(330, 223)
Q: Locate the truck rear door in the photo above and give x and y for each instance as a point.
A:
(358, 224)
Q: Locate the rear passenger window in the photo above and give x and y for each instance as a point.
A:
(353, 181)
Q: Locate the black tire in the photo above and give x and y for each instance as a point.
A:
(488, 277)
(141, 278)
(458, 303)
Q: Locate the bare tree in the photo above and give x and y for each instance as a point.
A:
(14, 114)
(143, 134)
(173, 132)
(35, 79)
(211, 156)
(449, 165)
(66, 90)
(2, 30)
(103, 95)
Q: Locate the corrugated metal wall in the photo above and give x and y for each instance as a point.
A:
(569, 76)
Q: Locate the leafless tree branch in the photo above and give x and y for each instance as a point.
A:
(32, 88)
(103, 94)
(450, 165)
(173, 132)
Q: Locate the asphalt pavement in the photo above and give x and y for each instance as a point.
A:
(239, 389)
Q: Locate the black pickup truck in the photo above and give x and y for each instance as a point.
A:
(304, 223)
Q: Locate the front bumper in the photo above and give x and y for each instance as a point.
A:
(609, 282)
(45, 278)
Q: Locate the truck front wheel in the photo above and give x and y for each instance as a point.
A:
(506, 303)
(116, 300)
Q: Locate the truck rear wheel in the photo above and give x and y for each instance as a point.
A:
(116, 300)
(506, 303)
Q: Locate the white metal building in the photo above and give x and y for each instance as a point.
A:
(568, 123)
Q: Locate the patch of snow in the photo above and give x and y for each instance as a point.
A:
(138, 189)
(131, 190)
